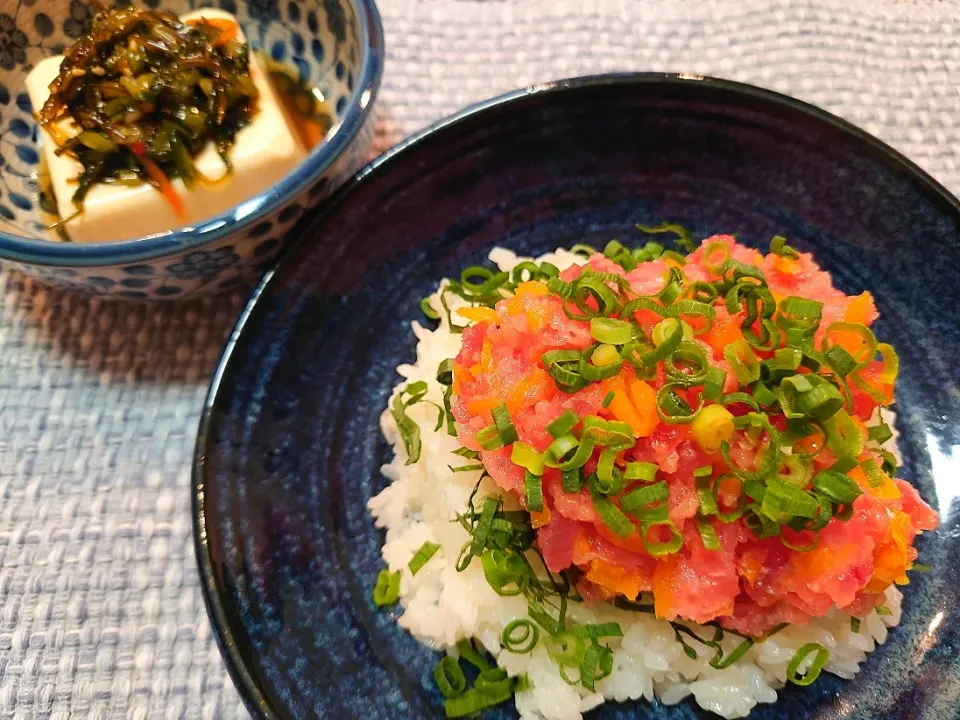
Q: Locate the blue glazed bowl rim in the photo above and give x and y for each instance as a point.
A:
(248, 213)
(260, 700)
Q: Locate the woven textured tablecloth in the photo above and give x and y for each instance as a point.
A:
(101, 614)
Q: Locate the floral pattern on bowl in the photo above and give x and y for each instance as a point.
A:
(334, 45)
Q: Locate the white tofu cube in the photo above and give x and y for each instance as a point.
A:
(264, 152)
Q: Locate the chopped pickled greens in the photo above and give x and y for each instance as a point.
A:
(147, 92)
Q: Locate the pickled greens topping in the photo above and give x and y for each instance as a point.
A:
(148, 92)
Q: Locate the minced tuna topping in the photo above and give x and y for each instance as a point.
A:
(703, 430)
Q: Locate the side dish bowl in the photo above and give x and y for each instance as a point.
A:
(289, 450)
(333, 45)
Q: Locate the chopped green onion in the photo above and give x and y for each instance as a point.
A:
(843, 436)
(880, 433)
(571, 481)
(875, 478)
(722, 662)
(562, 366)
(507, 574)
(608, 399)
(579, 458)
(560, 287)
(667, 547)
(795, 470)
(520, 636)
(891, 363)
(813, 672)
(422, 556)
(690, 309)
(778, 246)
(736, 270)
(561, 447)
(533, 490)
(595, 631)
(707, 503)
(865, 354)
(609, 479)
(820, 402)
(784, 499)
(563, 424)
(643, 471)
(733, 516)
(702, 291)
(597, 664)
(672, 289)
(799, 313)
(501, 418)
(883, 610)
(665, 334)
(606, 363)
(840, 360)
(682, 239)
(527, 457)
(489, 438)
(586, 288)
(836, 487)
(427, 309)
(476, 699)
(799, 546)
(844, 464)
(611, 516)
(465, 468)
(674, 256)
(743, 362)
(713, 384)
(708, 534)
(786, 359)
(487, 513)
(640, 497)
(764, 395)
(889, 466)
(408, 427)
(855, 625)
(672, 408)
(610, 331)
(387, 589)
(688, 364)
(607, 433)
(469, 654)
(449, 677)
(759, 524)
(712, 264)
(585, 251)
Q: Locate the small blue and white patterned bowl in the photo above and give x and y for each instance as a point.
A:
(335, 45)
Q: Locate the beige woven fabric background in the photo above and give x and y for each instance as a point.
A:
(100, 609)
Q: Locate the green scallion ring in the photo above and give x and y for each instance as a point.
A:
(520, 636)
(449, 676)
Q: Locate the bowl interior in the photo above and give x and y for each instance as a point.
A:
(290, 448)
(319, 41)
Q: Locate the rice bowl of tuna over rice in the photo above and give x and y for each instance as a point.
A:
(629, 396)
(660, 469)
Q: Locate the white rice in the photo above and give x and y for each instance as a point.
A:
(441, 606)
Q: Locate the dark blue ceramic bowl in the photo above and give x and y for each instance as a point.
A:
(289, 448)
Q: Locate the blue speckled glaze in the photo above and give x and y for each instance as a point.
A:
(289, 447)
(333, 45)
